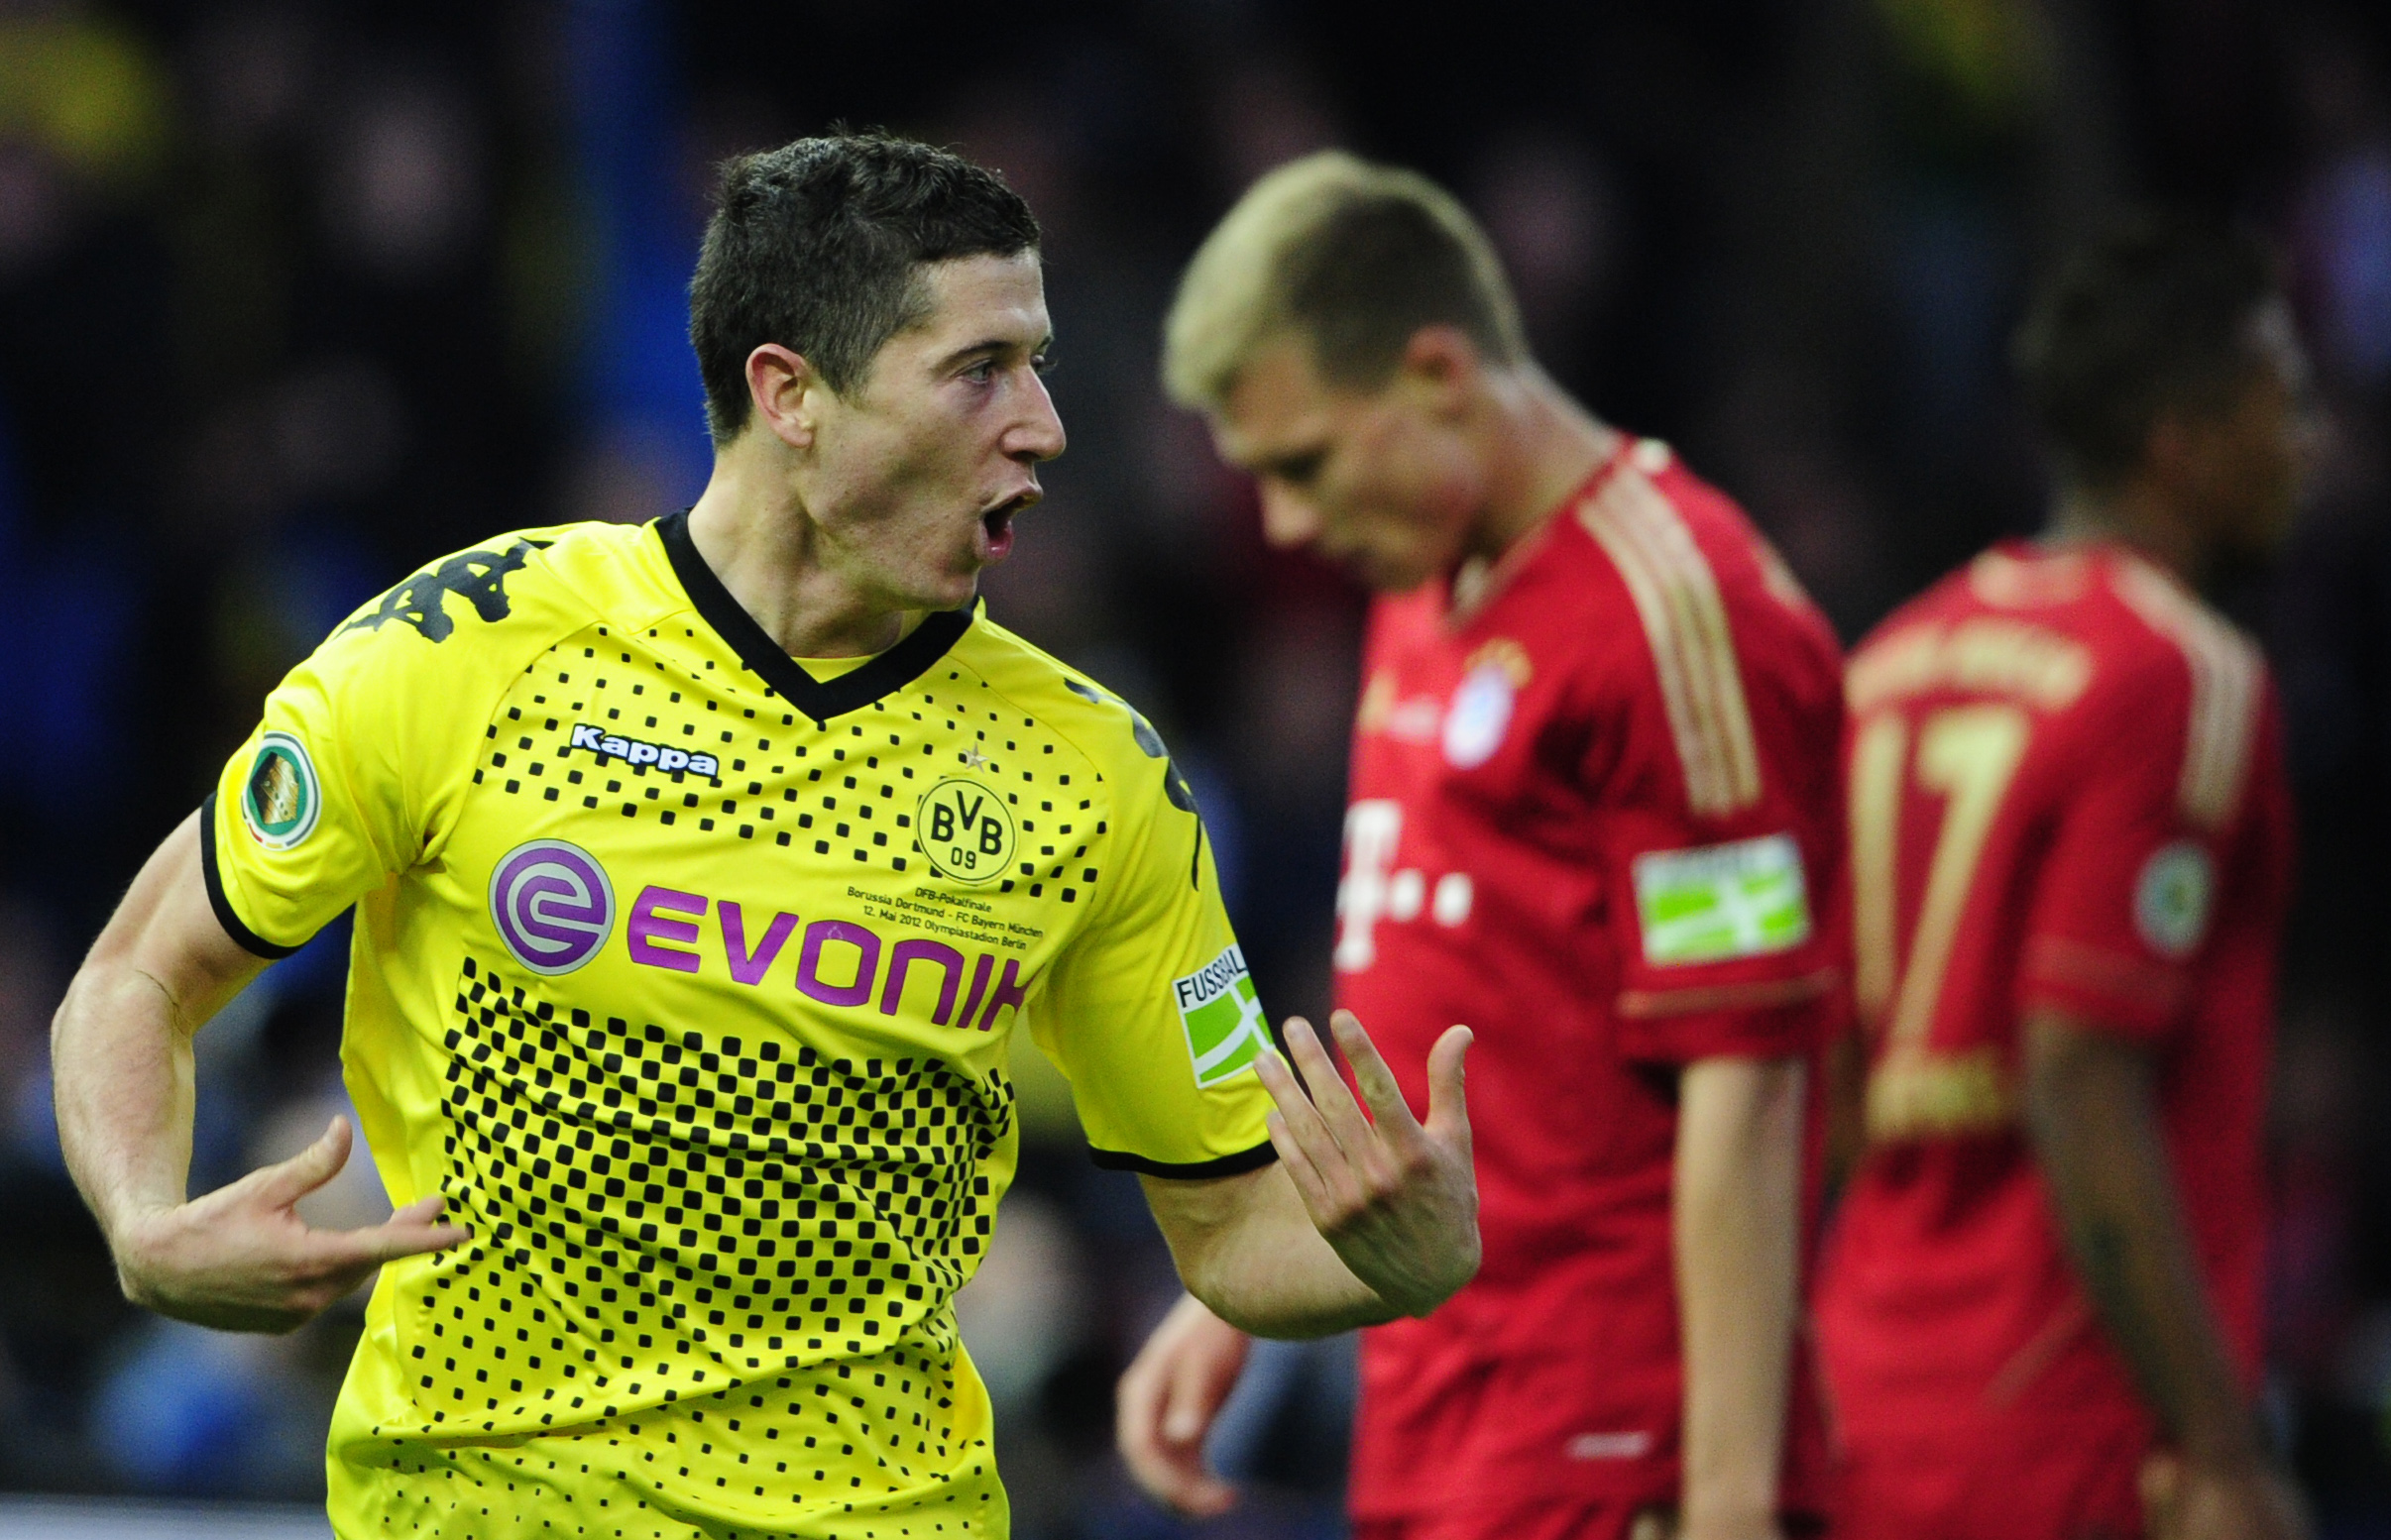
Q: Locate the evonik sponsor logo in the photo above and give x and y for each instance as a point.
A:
(844, 963)
(606, 746)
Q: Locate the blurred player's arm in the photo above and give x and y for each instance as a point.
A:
(2092, 1112)
(121, 1058)
(1736, 1221)
(1846, 1109)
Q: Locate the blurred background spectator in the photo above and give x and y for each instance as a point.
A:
(294, 297)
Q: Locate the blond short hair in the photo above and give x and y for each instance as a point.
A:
(1351, 257)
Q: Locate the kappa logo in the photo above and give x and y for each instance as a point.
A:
(638, 751)
(965, 831)
(477, 577)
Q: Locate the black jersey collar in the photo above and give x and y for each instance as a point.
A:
(820, 700)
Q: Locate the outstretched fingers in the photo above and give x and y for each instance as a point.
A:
(1448, 1102)
(410, 1232)
(1379, 1087)
(287, 1182)
(1296, 1131)
(1340, 1113)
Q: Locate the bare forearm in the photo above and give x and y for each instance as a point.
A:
(2095, 1124)
(121, 1042)
(1736, 1221)
(1254, 1259)
(123, 1083)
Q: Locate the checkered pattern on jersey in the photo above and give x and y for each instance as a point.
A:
(656, 1214)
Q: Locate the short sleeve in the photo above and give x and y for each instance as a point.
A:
(1151, 1013)
(1722, 885)
(2127, 889)
(333, 794)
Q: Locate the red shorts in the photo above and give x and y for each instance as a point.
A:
(1997, 1480)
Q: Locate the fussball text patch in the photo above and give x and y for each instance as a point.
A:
(1720, 902)
(1221, 1015)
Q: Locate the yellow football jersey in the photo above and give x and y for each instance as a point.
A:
(689, 977)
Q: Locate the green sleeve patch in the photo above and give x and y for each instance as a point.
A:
(1718, 903)
(1222, 1016)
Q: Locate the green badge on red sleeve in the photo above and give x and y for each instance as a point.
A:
(2171, 899)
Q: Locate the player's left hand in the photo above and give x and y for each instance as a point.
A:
(1694, 1523)
(1395, 1198)
(1167, 1403)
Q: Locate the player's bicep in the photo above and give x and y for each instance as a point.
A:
(2122, 904)
(1724, 930)
(166, 930)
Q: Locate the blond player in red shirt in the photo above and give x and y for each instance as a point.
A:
(1594, 814)
(2070, 858)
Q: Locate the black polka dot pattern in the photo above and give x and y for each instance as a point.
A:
(846, 790)
(656, 1215)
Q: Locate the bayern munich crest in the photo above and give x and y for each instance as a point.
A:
(553, 904)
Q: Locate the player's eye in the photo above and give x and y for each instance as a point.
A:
(1043, 363)
(982, 371)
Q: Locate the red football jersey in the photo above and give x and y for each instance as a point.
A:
(1595, 817)
(2067, 791)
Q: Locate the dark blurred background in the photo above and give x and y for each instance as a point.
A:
(295, 297)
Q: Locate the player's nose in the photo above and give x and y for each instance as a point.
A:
(1039, 434)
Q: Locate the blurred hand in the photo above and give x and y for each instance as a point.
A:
(2184, 1499)
(242, 1260)
(1166, 1405)
(1396, 1199)
(1697, 1525)
(1666, 1524)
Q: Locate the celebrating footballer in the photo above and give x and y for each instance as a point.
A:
(705, 871)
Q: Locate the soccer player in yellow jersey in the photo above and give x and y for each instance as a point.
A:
(704, 872)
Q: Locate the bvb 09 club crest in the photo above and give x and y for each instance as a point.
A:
(965, 830)
(280, 800)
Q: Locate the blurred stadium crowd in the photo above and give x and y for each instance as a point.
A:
(296, 296)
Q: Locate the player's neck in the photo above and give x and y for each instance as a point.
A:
(768, 555)
(2134, 514)
(1539, 447)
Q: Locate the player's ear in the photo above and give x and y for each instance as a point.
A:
(785, 393)
(1443, 362)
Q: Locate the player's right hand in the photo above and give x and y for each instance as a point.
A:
(242, 1260)
(2186, 1500)
(1166, 1405)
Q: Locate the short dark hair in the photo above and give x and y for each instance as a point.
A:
(817, 245)
(2153, 316)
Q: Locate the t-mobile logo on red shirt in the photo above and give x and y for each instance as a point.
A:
(1375, 889)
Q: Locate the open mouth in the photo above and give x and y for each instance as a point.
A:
(997, 522)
